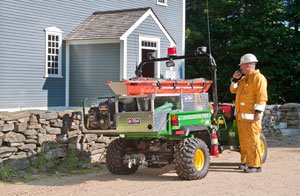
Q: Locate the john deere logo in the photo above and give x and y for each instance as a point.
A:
(134, 121)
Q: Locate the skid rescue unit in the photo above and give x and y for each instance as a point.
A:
(163, 121)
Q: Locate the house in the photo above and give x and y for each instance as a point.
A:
(53, 54)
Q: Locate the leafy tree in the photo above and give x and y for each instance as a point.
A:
(267, 28)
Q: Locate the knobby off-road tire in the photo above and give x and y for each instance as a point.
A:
(115, 155)
(263, 145)
(192, 159)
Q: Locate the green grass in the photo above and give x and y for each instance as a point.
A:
(43, 169)
(31, 174)
(5, 173)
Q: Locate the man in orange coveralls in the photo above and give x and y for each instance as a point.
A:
(250, 102)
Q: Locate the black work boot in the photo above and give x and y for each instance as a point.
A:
(243, 166)
(252, 170)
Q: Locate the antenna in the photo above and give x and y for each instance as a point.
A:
(208, 27)
(213, 67)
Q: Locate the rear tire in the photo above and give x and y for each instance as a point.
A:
(115, 158)
(263, 148)
(192, 159)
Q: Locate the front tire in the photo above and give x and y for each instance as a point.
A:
(263, 148)
(116, 158)
(192, 159)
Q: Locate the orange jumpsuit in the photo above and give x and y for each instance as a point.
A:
(251, 95)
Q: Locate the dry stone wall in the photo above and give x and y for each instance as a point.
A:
(282, 119)
(25, 134)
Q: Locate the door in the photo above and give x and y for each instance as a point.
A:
(148, 68)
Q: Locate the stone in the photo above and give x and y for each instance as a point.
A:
(91, 143)
(24, 120)
(103, 139)
(8, 127)
(1, 138)
(290, 131)
(62, 138)
(42, 138)
(31, 154)
(292, 113)
(96, 158)
(97, 151)
(44, 122)
(54, 154)
(78, 146)
(74, 127)
(11, 121)
(15, 144)
(293, 122)
(48, 115)
(7, 116)
(42, 130)
(31, 137)
(57, 124)
(64, 114)
(98, 146)
(74, 139)
(90, 137)
(13, 137)
(27, 147)
(30, 141)
(18, 161)
(30, 132)
(7, 151)
(53, 131)
(21, 127)
(289, 105)
(34, 126)
(72, 133)
(33, 119)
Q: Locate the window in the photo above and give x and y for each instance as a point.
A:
(162, 2)
(53, 52)
(149, 44)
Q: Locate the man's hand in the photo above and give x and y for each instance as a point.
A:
(258, 116)
(236, 76)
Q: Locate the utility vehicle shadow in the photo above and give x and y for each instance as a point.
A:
(225, 167)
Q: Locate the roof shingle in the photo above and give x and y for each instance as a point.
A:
(106, 24)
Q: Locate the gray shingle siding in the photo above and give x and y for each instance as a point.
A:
(92, 66)
(22, 40)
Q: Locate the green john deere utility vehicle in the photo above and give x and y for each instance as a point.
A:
(163, 121)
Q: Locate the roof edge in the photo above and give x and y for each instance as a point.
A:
(123, 10)
(157, 21)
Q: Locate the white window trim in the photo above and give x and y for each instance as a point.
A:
(163, 4)
(157, 49)
(57, 32)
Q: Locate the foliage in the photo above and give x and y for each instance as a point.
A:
(41, 160)
(267, 28)
(5, 173)
(70, 163)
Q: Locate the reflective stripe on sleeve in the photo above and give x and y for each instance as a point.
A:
(248, 116)
(234, 84)
(259, 107)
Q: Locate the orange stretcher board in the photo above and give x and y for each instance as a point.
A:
(143, 86)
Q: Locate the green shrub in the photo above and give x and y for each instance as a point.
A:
(5, 173)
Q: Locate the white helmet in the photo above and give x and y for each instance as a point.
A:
(248, 58)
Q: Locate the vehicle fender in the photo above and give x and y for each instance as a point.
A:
(194, 128)
(199, 131)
